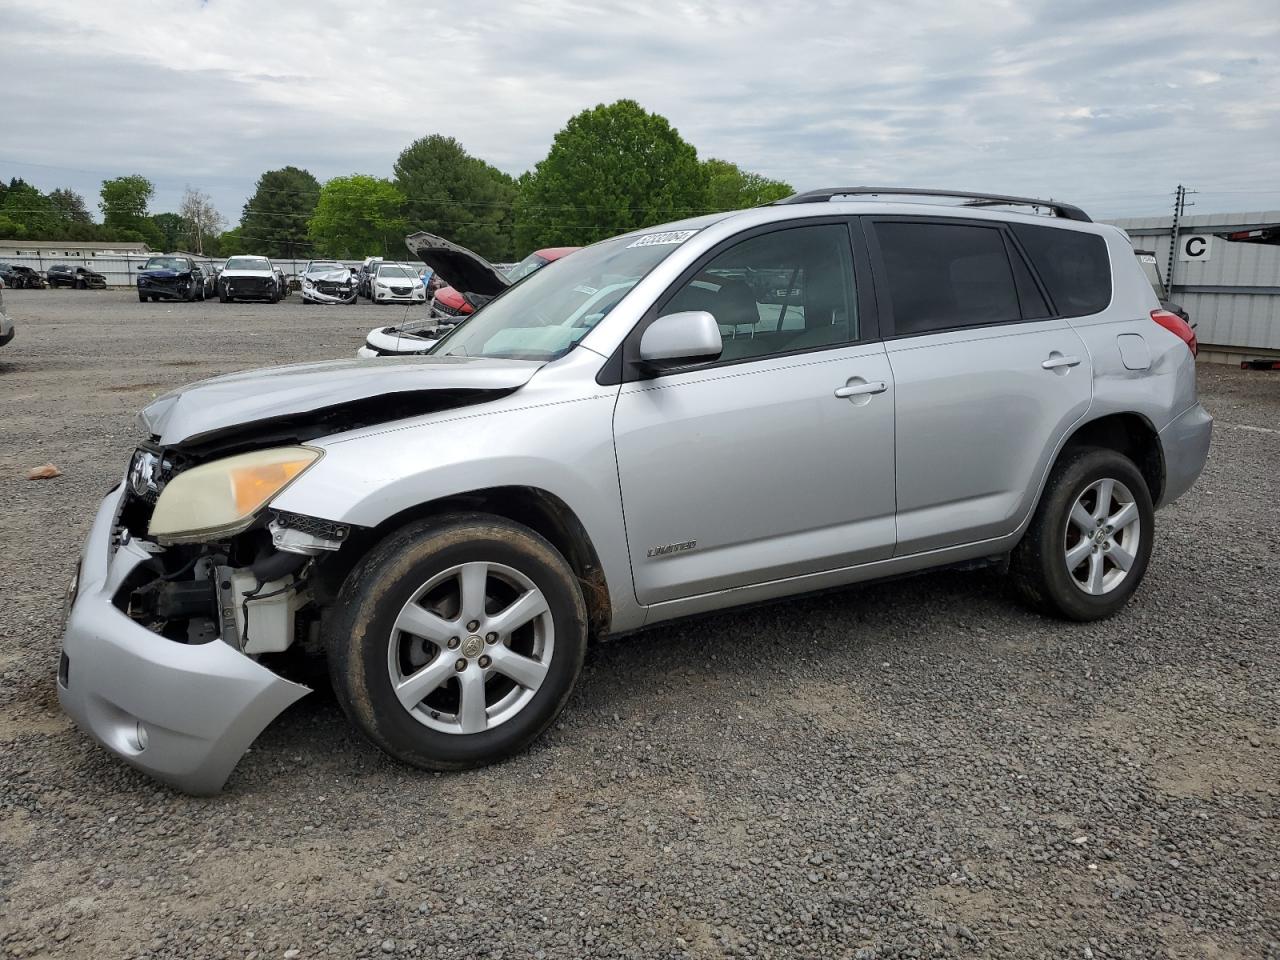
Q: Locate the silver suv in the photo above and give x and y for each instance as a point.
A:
(835, 388)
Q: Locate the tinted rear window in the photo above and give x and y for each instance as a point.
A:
(943, 276)
(1073, 265)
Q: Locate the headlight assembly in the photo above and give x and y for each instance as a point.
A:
(222, 498)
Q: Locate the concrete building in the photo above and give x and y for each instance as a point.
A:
(1224, 269)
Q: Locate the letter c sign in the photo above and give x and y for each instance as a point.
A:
(1195, 248)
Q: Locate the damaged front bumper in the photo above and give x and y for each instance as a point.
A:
(183, 713)
(313, 294)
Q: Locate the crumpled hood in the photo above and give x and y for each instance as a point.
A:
(243, 272)
(164, 274)
(240, 400)
(328, 276)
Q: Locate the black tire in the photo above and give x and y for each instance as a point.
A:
(142, 297)
(360, 630)
(223, 298)
(1039, 566)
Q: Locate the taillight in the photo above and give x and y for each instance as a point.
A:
(1177, 326)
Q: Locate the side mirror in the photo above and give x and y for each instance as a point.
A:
(680, 338)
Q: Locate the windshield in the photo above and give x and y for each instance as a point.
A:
(526, 266)
(545, 315)
(167, 263)
(317, 265)
(247, 263)
(404, 273)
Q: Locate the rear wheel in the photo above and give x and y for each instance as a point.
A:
(1089, 543)
(457, 641)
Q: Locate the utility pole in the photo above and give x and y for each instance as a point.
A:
(1180, 205)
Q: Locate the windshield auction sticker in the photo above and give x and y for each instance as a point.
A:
(658, 239)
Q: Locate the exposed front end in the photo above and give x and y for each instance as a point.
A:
(250, 286)
(165, 688)
(168, 285)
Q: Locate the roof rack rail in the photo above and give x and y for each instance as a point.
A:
(1065, 210)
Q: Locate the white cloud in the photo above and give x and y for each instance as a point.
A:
(1111, 104)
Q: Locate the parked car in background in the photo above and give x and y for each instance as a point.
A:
(20, 277)
(907, 385)
(29, 278)
(248, 278)
(282, 282)
(6, 323)
(396, 283)
(79, 278)
(451, 304)
(171, 277)
(364, 276)
(327, 281)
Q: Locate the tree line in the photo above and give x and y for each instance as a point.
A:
(610, 169)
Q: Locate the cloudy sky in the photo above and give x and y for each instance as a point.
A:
(1108, 103)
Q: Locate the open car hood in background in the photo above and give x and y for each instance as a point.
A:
(459, 267)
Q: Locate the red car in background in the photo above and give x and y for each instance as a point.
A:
(449, 302)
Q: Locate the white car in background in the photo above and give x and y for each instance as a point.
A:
(396, 283)
(248, 278)
(327, 281)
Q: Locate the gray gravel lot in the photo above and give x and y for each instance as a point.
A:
(912, 769)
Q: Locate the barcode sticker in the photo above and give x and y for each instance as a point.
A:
(658, 239)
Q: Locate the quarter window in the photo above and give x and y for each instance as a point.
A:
(942, 276)
(1074, 266)
(779, 292)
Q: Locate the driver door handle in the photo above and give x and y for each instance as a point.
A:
(852, 389)
(1056, 361)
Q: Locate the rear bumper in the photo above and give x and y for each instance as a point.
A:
(183, 713)
(1185, 443)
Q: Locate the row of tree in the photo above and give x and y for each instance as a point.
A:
(26, 213)
(611, 169)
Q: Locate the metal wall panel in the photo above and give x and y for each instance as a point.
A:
(1231, 319)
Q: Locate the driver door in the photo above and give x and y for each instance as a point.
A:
(776, 460)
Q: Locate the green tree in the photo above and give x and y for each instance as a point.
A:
(35, 215)
(731, 188)
(611, 169)
(449, 192)
(357, 216)
(71, 206)
(274, 220)
(124, 202)
(173, 229)
(230, 243)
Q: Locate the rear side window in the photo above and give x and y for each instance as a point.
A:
(1074, 266)
(942, 276)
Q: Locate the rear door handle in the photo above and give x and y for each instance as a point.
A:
(1057, 360)
(861, 388)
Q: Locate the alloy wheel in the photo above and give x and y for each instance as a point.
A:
(471, 647)
(1103, 533)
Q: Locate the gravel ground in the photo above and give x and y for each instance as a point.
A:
(912, 769)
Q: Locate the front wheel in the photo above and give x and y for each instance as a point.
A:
(1089, 543)
(456, 641)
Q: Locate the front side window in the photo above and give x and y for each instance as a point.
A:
(546, 314)
(944, 276)
(779, 292)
